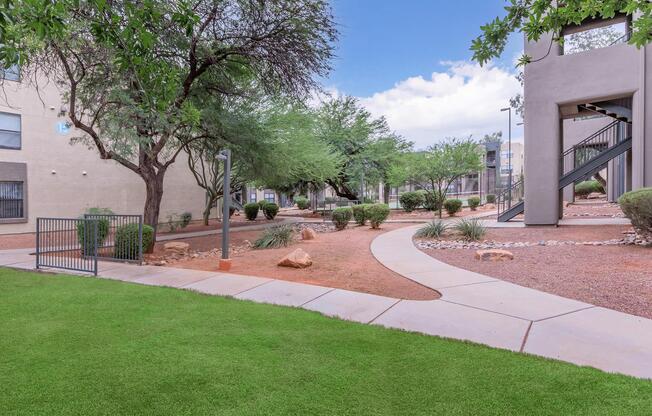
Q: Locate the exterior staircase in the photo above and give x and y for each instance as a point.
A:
(581, 161)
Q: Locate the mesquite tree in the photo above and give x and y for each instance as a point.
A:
(129, 69)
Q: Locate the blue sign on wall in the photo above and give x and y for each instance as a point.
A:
(63, 127)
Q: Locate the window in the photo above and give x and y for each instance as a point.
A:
(595, 35)
(270, 197)
(10, 131)
(11, 200)
(252, 197)
(11, 74)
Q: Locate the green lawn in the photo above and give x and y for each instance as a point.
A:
(74, 345)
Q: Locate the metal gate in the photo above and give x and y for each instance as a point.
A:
(67, 243)
(77, 243)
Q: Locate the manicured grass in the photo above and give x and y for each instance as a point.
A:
(74, 345)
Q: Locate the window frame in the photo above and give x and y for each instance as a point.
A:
(16, 172)
(20, 132)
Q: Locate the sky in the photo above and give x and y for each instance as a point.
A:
(410, 61)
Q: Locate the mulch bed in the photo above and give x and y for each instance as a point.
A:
(341, 259)
(615, 277)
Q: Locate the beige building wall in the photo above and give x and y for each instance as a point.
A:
(63, 180)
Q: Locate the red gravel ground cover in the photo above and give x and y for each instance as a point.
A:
(615, 277)
(340, 259)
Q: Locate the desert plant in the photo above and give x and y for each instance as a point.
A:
(471, 229)
(126, 241)
(431, 202)
(474, 202)
(172, 223)
(433, 229)
(278, 236)
(376, 214)
(491, 199)
(251, 210)
(411, 200)
(302, 202)
(270, 210)
(341, 217)
(359, 214)
(453, 206)
(84, 236)
(186, 217)
(637, 206)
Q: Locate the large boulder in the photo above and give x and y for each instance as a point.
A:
(176, 247)
(494, 255)
(298, 259)
(308, 234)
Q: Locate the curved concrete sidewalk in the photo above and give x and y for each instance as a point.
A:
(483, 309)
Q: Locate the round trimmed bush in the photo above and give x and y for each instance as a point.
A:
(376, 214)
(270, 210)
(491, 199)
(411, 200)
(261, 204)
(583, 189)
(126, 241)
(84, 236)
(251, 210)
(474, 202)
(302, 202)
(453, 206)
(637, 206)
(359, 215)
(431, 201)
(341, 217)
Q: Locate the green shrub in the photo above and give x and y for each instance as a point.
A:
(433, 229)
(279, 236)
(432, 201)
(471, 229)
(270, 210)
(637, 206)
(376, 214)
(85, 237)
(474, 202)
(583, 189)
(491, 199)
(341, 217)
(359, 214)
(302, 202)
(251, 210)
(261, 204)
(453, 206)
(126, 241)
(186, 217)
(172, 223)
(411, 200)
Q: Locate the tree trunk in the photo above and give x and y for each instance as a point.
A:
(207, 209)
(153, 197)
(602, 181)
(386, 190)
(342, 190)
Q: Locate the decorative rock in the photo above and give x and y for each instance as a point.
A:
(298, 259)
(176, 247)
(308, 234)
(494, 255)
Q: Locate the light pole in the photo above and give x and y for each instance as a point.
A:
(225, 156)
(509, 154)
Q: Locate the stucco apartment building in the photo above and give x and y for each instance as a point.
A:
(586, 111)
(43, 175)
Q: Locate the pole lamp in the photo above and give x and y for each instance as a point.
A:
(509, 150)
(225, 156)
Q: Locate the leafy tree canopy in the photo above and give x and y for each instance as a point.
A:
(537, 17)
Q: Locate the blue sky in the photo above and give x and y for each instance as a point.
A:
(394, 54)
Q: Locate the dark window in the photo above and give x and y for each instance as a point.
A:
(11, 200)
(269, 197)
(10, 131)
(11, 74)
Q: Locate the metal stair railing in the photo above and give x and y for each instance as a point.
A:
(510, 196)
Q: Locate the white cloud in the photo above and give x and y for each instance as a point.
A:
(464, 100)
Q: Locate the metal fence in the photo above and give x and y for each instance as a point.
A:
(77, 243)
(67, 243)
(120, 237)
